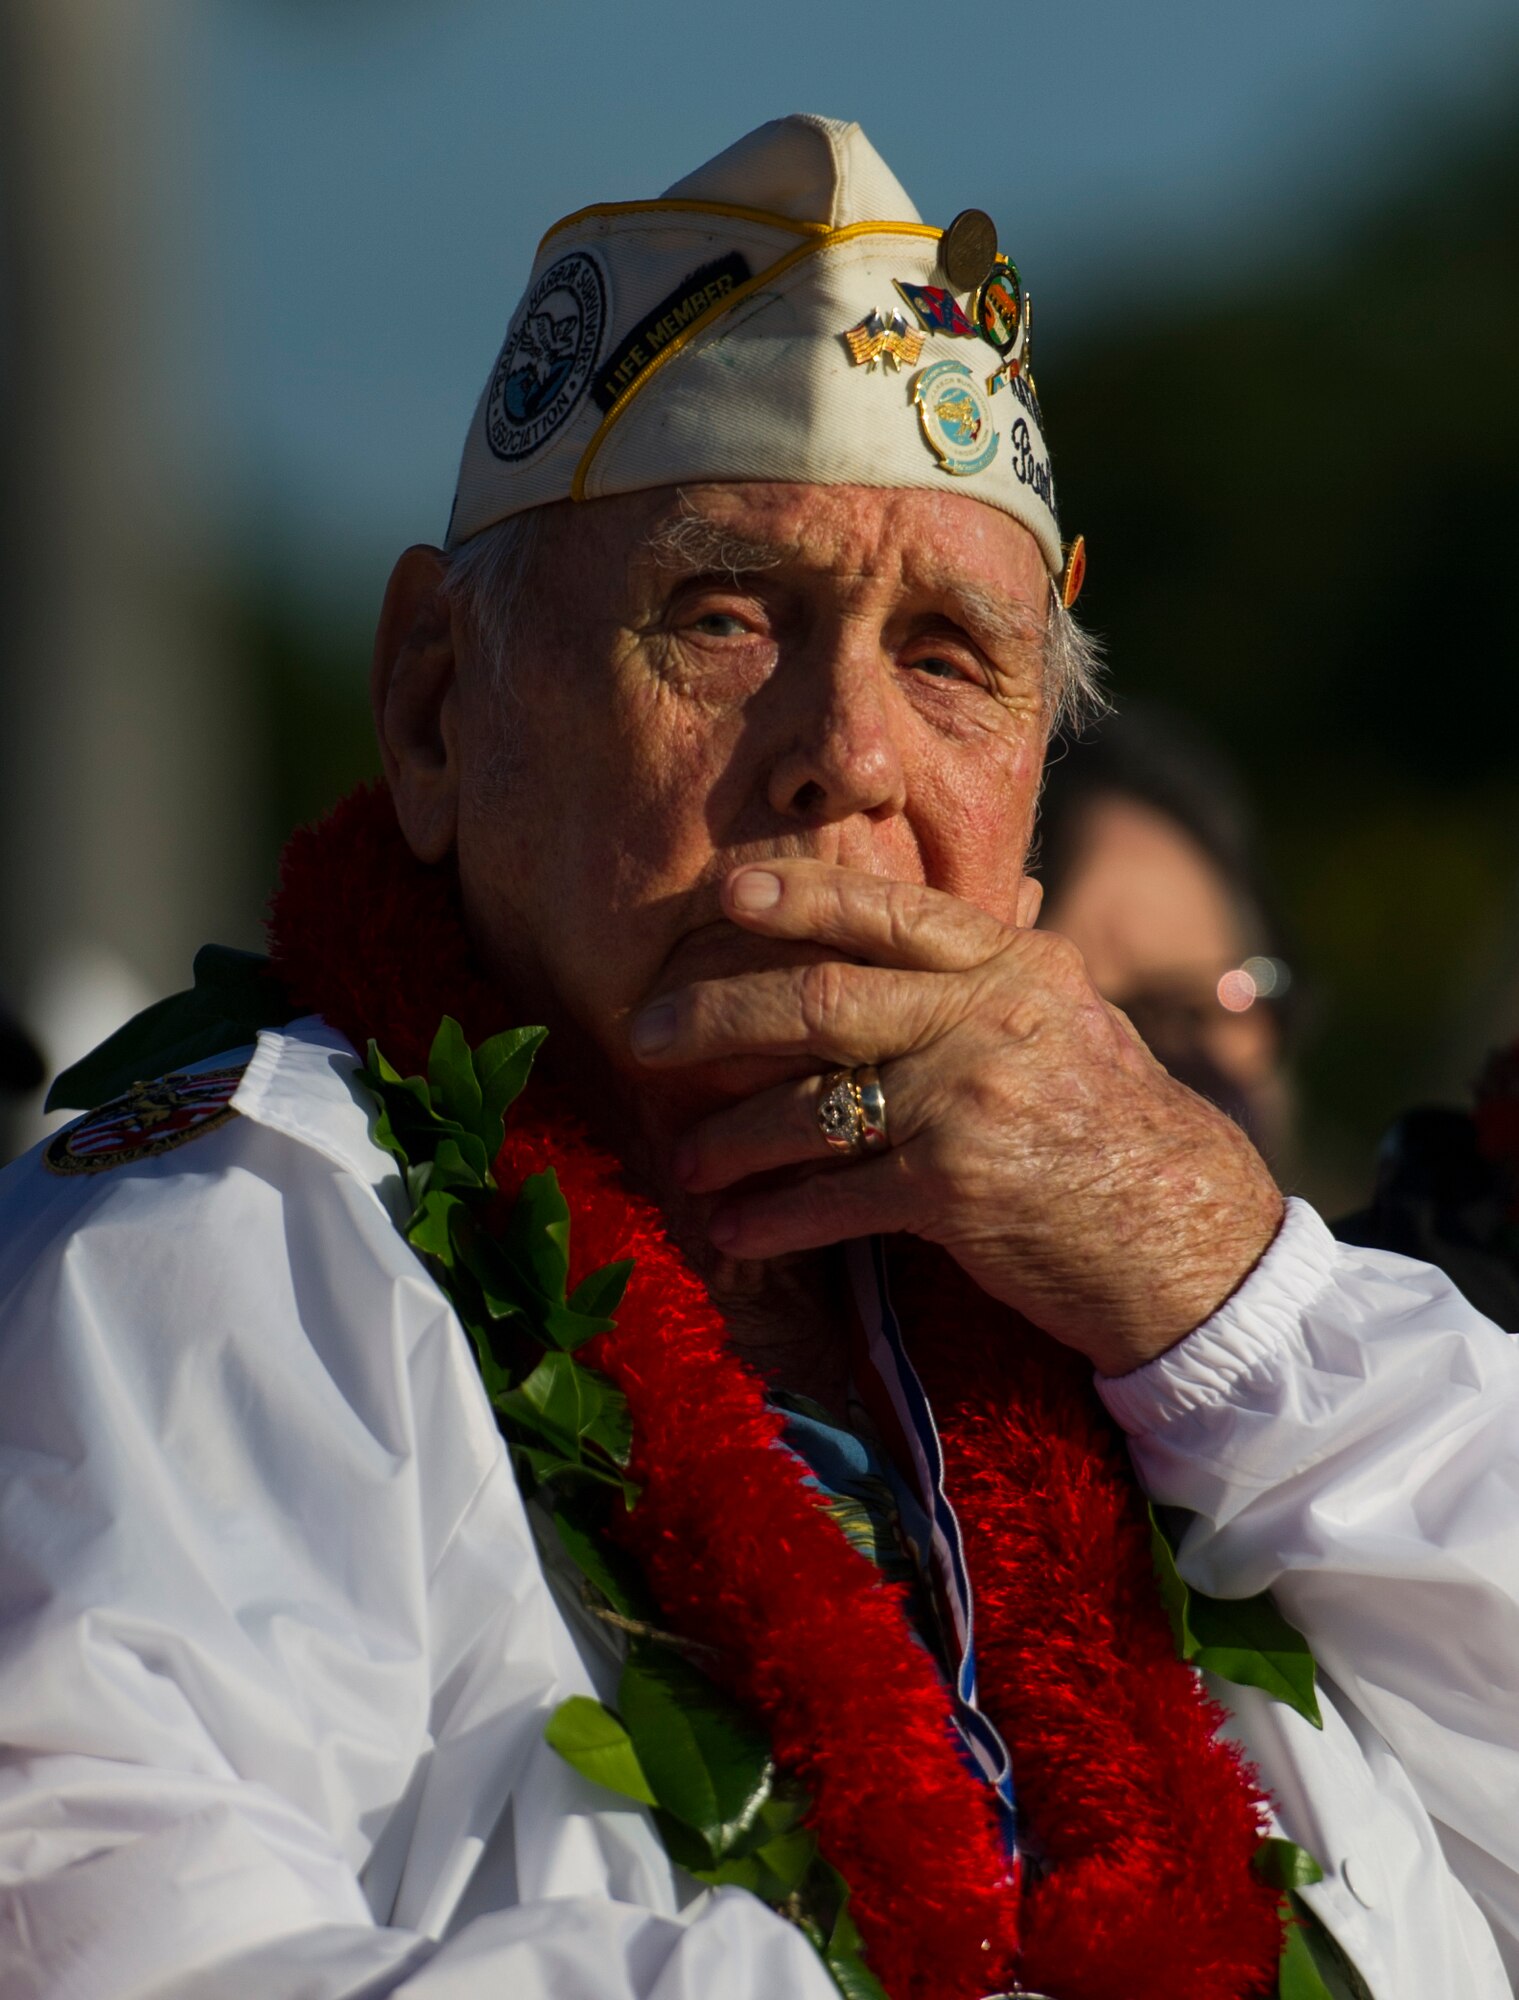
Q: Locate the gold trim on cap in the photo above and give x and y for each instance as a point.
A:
(688, 333)
(763, 215)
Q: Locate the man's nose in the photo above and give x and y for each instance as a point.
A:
(846, 751)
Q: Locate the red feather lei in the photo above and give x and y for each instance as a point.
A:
(1147, 1821)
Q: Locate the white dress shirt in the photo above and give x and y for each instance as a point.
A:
(278, 1642)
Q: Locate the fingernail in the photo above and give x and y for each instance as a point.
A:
(684, 1162)
(723, 1228)
(755, 889)
(653, 1029)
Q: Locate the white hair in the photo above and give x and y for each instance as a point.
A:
(489, 580)
(1072, 671)
(493, 576)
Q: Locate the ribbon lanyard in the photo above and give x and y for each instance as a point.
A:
(888, 1385)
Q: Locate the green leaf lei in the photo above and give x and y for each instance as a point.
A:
(675, 1742)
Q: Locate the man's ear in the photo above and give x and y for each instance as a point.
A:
(413, 689)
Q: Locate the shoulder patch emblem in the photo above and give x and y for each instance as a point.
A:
(152, 1118)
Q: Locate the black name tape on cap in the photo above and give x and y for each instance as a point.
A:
(692, 297)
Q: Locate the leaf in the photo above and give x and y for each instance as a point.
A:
(1241, 1639)
(404, 1091)
(408, 1105)
(495, 1376)
(1313, 1963)
(451, 1075)
(537, 1235)
(557, 1401)
(773, 1872)
(599, 1294)
(1248, 1641)
(1299, 1977)
(781, 1813)
(416, 1120)
(383, 1132)
(568, 1329)
(606, 1568)
(685, 1848)
(591, 1738)
(384, 1071)
(547, 1465)
(851, 1974)
(502, 1066)
(394, 1120)
(611, 1429)
(452, 1167)
(428, 1230)
(1174, 1591)
(844, 1951)
(1282, 1864)
(501, 1288)
(707, 1763)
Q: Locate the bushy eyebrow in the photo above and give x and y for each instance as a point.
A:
(1002, 620)
(692, 543)
(702, 547)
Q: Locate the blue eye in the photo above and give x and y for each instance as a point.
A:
(939, 667)
(720, 625)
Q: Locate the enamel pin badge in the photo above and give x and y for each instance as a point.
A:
(999, 307)
(955, 417)
(938, 311)
(890, 340)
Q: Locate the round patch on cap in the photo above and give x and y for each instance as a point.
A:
(152, 1118)
(548, 356)
(967, 249)
(956, 417)
(999, 307)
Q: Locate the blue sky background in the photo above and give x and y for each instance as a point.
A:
(366, 184)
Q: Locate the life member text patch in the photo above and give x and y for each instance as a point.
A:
(692, 297)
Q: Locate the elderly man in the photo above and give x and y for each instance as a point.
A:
(402, 1594)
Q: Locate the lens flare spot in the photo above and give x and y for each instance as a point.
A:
(1271, 976)
(1236, 990)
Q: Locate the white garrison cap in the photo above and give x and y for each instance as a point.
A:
(780, 314)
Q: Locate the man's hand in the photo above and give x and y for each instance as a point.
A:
(1032, 1134)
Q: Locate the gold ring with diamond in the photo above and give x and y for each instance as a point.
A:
(851, 1112)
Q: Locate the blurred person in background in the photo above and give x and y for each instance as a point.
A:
(698, 1541)
(1447, 1191)
(1146, 854)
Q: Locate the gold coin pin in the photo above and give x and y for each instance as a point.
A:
(968, 249)
(1073, 573)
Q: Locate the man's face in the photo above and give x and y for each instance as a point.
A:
(726, 674)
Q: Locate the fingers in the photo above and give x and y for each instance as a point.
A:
(869, 1197)
(843, 1014)
(1030, 903)
(775, 1128)
(868, 917)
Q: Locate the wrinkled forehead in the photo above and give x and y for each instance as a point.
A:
(869, 536)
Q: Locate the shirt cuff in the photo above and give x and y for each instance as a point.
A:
(1254, 1335)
